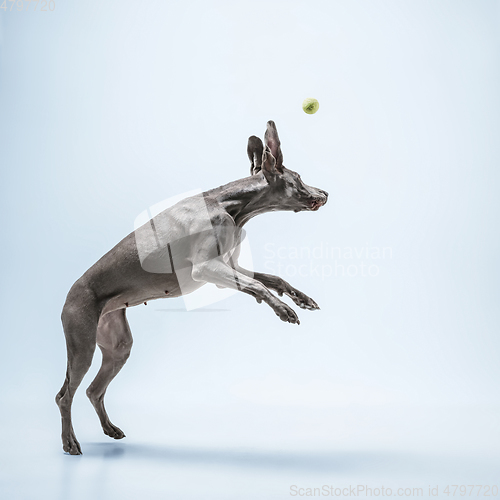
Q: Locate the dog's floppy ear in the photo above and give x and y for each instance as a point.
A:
(255, 150)
(273, 142)
(269, 165)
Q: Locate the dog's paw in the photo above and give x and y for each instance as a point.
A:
(71, 444)
(286, 313)
(112, 431)
(302, 300)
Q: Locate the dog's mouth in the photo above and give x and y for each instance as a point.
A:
(312, 204)
(316, 203)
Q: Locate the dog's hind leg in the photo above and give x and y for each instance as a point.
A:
(115, 341)
(79, 317)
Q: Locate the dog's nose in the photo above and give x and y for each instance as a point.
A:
(324, 192)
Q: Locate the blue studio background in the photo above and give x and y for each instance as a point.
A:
(108, 108)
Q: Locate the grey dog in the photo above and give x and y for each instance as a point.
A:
(194, 242)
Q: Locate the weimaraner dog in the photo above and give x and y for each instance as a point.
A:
(192, 243)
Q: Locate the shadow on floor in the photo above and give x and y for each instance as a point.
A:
(351, 462)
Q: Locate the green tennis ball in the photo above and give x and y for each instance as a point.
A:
(310, 105)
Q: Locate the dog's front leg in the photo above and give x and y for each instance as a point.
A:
(216, 271)
(275, 283)
(282, 287)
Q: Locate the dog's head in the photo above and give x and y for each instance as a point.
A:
(288, 190)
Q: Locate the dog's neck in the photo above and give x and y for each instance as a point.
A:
(245, 198)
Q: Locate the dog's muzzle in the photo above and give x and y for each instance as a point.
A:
(318, 201)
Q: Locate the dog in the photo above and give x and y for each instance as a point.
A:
(194, 242)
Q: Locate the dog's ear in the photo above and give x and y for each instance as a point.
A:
(269, 165)
(255, 150)
(273, 142)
